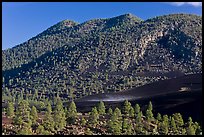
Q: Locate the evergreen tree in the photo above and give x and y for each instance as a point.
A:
(190, 130)
(101, 108)
(115, 123)
(22, 116)
(173, 126)
(183, 131)
(164, 127)
(88, 132)
(117, 112)
(110, 111)
(129, 129)
(159, 118)
(94, 116)
(149, 114)
(71, 113)
(34, 115)
(25, 130)
(139, 118)
(48, 123)
(59, 116)
(125, 125)
(10, 110)
(131, 112)
(178, 119)
(40, 130)
(126, 107)
(198, 129)
(190, 121)
(137, 109)
(83, 122)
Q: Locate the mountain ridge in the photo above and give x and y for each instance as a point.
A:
(99, 56)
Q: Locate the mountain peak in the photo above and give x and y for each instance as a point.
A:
(68, 23)
(129, 17)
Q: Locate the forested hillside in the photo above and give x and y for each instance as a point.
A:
(73, 60)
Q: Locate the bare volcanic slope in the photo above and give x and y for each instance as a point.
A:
(187, 83)
(103, 56)
(182, 94)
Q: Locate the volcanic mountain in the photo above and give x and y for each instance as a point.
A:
(73, 60)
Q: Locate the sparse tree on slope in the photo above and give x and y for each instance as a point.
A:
(101, 108)
(10, 110)
(94, 116)
(34, 115)
(59, 116)
(71, 113)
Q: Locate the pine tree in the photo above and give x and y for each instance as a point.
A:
(190, 130)
(101, 108)
(71, 113)
(165, 125)
(59, 116)
(88, 132)
(131, 112)
(173, 126)
(34, 115)
(139, 118)
(115, 123)
(190, 121)
(125, 125)
(198, 128)
(25, 130)
(149, 114)
(22, 116)
(40, 130)
(94, 116)
(137, 109)
(83, 122)
(129, 129)
(183, 131)
(117, 112)
(159, 118)
(178, 119)
(10, 110)
(126, 107)
(110, 111)
(48, 123)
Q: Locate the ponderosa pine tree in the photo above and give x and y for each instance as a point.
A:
(190, 129)
(125, 125)
(164, 127)
(115, 123)
(101, 108)
(34, 115)
(149, 114)
(110, 111)
(48, 123)
(126, 107)
(22, 116)
(10, 110)
(71, 113)
(137, 109)
(83, 121)
(40, 130)
(173, 126)
(132, 112)
(25, 129)
(59, 116)
(178, 119)
(93, 117)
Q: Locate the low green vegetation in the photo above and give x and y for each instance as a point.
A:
(27, 121)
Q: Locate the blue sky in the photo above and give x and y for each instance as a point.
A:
(23, 20)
